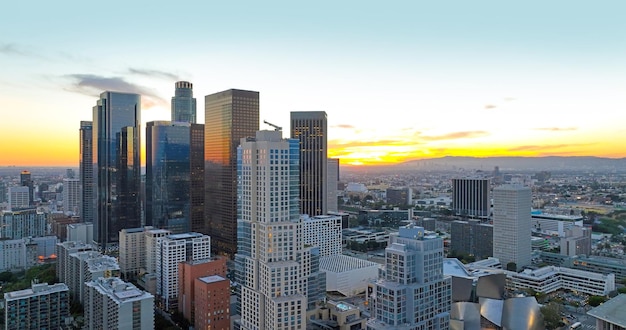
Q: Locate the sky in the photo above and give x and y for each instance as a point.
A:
(399, 80)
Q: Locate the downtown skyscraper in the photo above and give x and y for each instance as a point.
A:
(183, 103)
(271, 256)
(310, 128)
(229, 116)
(85, 172)
(512, 225)
(116, 162)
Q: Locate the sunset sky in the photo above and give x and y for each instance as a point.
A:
(399, 80)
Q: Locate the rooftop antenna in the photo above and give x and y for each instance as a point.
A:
(276, 127)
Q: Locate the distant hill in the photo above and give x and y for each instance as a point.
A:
(551, 163)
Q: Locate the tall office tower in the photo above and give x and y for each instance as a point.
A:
(470, 197)
(270, 265)
(168, 179)
(196, 177)
(171, 250)
(311, 129)
(323, 231)
(332, 182)
(71, 196)
(229, 116)
(412, 292)
(511, 225)
(111, 303)
(24, 223)
(85, 172)
(116, 161)
(27, 181)
(183, 103)
(18, 198)
(42, 306)
(472, 237)
(4, 192)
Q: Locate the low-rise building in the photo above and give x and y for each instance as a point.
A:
(610, 315)
(348, 275)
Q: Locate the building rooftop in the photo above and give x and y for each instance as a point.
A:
(611, 311)
(211, 279)
(454, 267)
(36, 290)
(118, 290)
(184, 236)
(342, 263)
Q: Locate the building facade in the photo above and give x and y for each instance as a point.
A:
(116, 165)
(85, 171)
(512, 225)
(19, 198)
(71, 196)
(229, 116)
(24, 223)
(323, 231)
(310, 128)
(270, 255)
(42, 306)
(212, 307)
(332, 172)
(472, 237)
(17, 254)
(470, 197)
(188, 273)
(183, 103)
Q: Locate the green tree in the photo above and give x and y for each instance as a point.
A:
(552, 315)
(511, 266)
(595, 301)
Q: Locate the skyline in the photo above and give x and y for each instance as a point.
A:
(398, 82)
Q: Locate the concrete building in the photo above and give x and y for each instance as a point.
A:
(85, 172)
(471, 197)
(43, 306)
(472, 237)
(399, 196)
(271, 269)
(340, 316)
(80, 232)
(152, 237)
(576, 241)
(71, 196)
(610, 315)
(132, 252)
(596, 264)
(212, 308)
(86, 266)
(17, 254)
(19, 198)
(229, 116)
(63, 252)
(23, 223)
(172, 250)
(412, 291)
(323, 231)
(348, 275)
(332, 173)
(188, 273)
(550, 278)
(554, 224)
(511, 225)
(111, 303)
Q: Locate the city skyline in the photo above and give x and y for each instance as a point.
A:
(399, 82)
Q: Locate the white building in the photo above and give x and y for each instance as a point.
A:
(63, 251)
(24, 223)
(71, 196)
(550, 278)
(271, 272)
(512, 225)
(171, 250)
(348, 275)
(554, 224)
(42, 306)
(111, 303)
(19, 197)
(80, 232)
(17, 254)
(86, 266)
(323, 231)
(151, 237)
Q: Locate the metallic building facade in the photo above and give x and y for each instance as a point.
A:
(168, 175)
(229, 116)
(183, 103)
(311, 129)
(85, 170)
(470, 197)
(116, 162)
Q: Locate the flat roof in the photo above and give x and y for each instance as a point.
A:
(211, 279)
(611, 311)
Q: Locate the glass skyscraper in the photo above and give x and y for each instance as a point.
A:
(86, 172)
(229, 116)
(311, 129)
(183, 103)
(116, 162)
(168, 180)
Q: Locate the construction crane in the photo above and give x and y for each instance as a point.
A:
(276, 127)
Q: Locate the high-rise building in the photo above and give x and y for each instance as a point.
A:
(86, 266)
(196, 177)
(270, 257)
(80, 232)
(85, 172)
(512, 225)
(310, 128)
(212, 305)
(171, 250)
(17, 254)
(71, 196)
(470, 197)
(229, 116)
(4, 192)
(183, 103)
(116, 161)
(63, 252)
(18, 198)
(412, 291)
(137, 252)
(188, 272)
(323, 231)
(27, 181)
(24, 223)
(332, 182)
(42, 306)
(168, 175)
(111, 303)
(472, 237)
(577, 241)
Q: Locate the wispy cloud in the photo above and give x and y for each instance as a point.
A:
(344, 126)
(370, 143)
(490, 106)
(12, 49)
(455, 135)
(93, 85)
(556, 129)
(545, 147)
(154, 73)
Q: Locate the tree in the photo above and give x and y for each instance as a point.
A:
(511, 266)
(595, 301)
(552, 315)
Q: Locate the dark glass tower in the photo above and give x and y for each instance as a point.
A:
(116, 162)
(229, 116)
(196, 177)
(183, 103)
(168, 182)
(311, 129)
(86, 172)
(27, 181)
